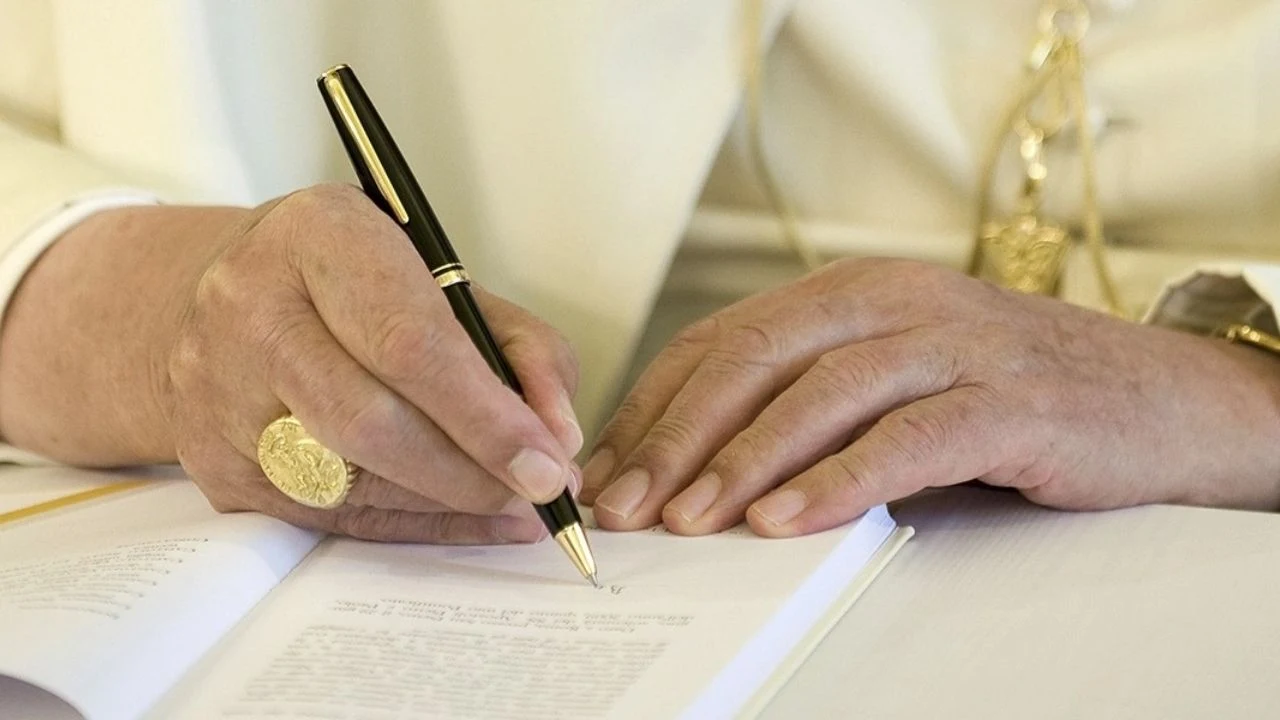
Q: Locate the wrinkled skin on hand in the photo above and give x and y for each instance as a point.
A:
(869, 380)
(179, 333)
(320, 305)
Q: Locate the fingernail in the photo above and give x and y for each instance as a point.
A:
(573, 441)
(539, 475)
(598, 468)
(781, 507)
(623, 497)
(519, 530)
(694, 501)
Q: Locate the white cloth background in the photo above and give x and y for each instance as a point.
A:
(571, 147)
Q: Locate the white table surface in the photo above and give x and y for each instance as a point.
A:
(998, 609)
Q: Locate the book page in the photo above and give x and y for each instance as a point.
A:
(107, 604)
(680, 625)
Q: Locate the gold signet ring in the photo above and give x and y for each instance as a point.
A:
(306, 471)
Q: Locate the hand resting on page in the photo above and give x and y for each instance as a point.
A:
(869, 380)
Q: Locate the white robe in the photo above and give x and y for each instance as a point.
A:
(572, 148)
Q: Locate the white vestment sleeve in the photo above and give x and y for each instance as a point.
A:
(1217, 295)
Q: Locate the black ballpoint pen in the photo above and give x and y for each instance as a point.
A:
(386, 179)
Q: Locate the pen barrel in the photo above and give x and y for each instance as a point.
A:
(467, 311)
(563, 511)
(381, 168)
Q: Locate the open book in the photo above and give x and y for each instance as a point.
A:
(148, 604)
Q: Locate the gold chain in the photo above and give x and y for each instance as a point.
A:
(1027, 251)
(1089, 177)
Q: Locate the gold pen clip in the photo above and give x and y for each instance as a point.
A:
(343, 102)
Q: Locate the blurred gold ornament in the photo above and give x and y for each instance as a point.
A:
(1027, 251)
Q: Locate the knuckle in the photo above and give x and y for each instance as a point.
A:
(364, 523)
(402, 345)
(918, 436)
(331, 192)
(186, 361)
(288, 219)
(749, 449)
(901, 268)
(746, 348)
(724, 362)
(844, 371)
(943, 357)
(839, 273)
(276, 340)
(671, 435)
(321, 198)
(851, 473)
(910, 279)
(567, 360)
(228, 305)
(222, 290)
(929, 279)
(701, 333)
(546, 350)
(446, 527)
(372, 424)
(845, 269)
(753, 343)
(464, 529)
(301, 217)
(628, 419)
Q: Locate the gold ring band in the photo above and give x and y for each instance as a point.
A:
(300, 467)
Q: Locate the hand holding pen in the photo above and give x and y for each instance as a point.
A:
(316, 305)
(389, 183)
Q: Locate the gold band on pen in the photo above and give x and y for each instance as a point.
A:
(453, 277)
(361, 138)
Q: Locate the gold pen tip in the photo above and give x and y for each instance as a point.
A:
(574, 543)
(594, 583)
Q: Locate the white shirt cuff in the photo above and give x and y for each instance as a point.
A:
(24, 251)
